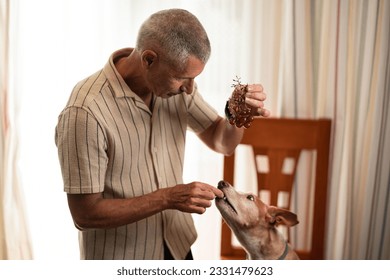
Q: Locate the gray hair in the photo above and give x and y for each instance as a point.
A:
(177, 33)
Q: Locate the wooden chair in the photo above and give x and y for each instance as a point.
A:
(279, 139)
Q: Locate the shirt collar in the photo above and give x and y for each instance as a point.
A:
(119, 86)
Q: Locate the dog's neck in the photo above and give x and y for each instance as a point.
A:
(270, 246)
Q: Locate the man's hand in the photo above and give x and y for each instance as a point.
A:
(194, 197)
(255, 98)
(246, 102)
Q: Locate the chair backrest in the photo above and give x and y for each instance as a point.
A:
(278, 139)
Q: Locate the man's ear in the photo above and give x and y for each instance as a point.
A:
(278, 216)
(149, 57)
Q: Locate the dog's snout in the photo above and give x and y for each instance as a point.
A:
(222, 184)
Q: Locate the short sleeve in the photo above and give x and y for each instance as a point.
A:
(81, 151)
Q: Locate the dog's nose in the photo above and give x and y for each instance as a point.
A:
(222, 184)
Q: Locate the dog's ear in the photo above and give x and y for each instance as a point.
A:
(278, 216)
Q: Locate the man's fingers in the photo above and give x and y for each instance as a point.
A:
(255, 87)
(194, 197)
(254, 102)
(261, 96)
(218, 193)
(209, 192)
(204, 203)
(264, 113)
(198, 210)
(256, 99)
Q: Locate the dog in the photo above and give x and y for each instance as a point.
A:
(254, 224)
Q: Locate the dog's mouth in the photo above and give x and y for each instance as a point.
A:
(226, 200)
(227, 203)
(224, 187)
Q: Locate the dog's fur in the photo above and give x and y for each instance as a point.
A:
(254, 224)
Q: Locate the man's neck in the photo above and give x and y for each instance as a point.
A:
(129, 68)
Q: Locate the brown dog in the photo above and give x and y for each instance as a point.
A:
(254, 224)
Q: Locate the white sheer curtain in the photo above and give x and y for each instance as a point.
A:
(314, 58)
(14, 235)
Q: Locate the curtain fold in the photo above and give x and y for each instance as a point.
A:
(4, 12)
(361, 79)
(349, 55)
(376, 212)
(14, 237)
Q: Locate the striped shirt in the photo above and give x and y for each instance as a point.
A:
(109, 141)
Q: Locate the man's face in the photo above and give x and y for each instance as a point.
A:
(167, 81)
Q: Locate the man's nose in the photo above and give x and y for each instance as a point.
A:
(188, 86)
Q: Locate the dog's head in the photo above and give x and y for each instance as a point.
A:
(245, 211)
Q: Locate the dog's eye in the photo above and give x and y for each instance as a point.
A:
(251, 197)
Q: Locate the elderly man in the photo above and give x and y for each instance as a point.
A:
(121, 141)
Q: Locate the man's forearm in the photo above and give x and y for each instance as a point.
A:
(222, 137)
(91, 211)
